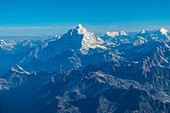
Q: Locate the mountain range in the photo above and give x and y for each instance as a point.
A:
(83, 72)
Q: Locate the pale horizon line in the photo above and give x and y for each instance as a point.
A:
(60, 30)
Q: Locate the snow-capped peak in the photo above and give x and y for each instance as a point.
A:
(143, 31)
(81, 29)
(80, 39)
(89, 40)
(112, 34)
(18, 69)
(163, 31)
(79, 26)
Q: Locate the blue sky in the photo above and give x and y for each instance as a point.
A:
(57, 16)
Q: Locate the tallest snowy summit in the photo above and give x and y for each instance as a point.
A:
(81, 29)
(79, 26)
